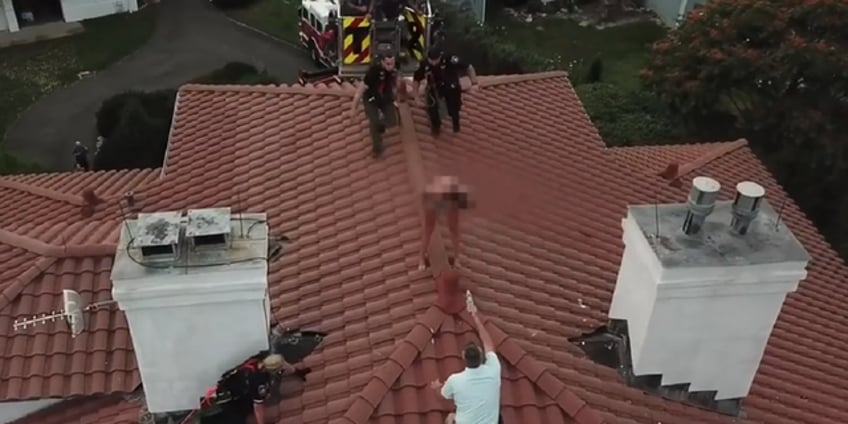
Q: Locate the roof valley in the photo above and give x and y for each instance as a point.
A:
(410, 348)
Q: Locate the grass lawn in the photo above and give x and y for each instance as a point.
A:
(30, 71)
(276, 17)
(624, 50)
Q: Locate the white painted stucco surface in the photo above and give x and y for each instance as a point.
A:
(704, 326)
(11, 411)
(190, 325)
(8, 20)
(78, 10)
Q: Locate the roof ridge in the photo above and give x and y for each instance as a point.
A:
(13, 289)
(415, 168)
(403, 356)
(343, 90)
(42, 192)
(674, 170)
(491, 81)
(538, 374)
(348, 90)
(49, 250)
(712, 155)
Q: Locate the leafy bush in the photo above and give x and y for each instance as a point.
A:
(136, 124)
(482, 47)
(11, 165)
(627, 118)
(110, 112)
(232, 4)
(236, 73)
(140, 135)
(139, 140)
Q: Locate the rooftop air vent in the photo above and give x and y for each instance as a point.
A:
(208, 228)
(746, 206)
(701, 203)
(158, 236)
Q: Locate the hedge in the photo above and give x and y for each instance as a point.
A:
(136, 124)
(482, 47)
(626, 118)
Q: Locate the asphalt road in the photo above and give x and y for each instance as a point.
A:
(191, 38)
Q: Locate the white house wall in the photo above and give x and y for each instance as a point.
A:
(8, 20)
(78, 10)
(11, 411)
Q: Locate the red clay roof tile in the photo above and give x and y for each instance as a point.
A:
(44, 361)
(541, 255)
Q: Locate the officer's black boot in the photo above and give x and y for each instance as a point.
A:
(455, 124)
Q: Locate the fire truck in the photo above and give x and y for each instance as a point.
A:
(346, 45)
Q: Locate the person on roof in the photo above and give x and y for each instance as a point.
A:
(242, 391)
(442, 75)
(81, 156)
(444, 195)
(377, 96)
(476, 391)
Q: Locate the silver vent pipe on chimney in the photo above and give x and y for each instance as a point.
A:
(746, 205)
(701, 203)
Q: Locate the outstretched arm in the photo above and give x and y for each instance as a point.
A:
(485, 337)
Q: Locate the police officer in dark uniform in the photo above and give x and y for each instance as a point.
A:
(377, 93)
(241, 392)
(442, 74)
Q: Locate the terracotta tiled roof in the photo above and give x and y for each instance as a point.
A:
(541, 251)
(45, 247)
(96, 410)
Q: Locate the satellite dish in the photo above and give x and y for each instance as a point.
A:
(73, 307)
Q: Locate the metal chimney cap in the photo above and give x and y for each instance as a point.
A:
(706, 184)
(750, 189)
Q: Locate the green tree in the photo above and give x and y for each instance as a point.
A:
(138, 141)
(775, 70)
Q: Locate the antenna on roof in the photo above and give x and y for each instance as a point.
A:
(72, 311)
(124, 218)
(241, 212)
(657, 217)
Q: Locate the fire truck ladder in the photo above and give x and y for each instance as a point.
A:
(363, 40)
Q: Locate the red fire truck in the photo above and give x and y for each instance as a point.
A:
(344, 46)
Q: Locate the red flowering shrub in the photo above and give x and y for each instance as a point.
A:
(777, 72)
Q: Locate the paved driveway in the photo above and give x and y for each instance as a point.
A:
(191, 38)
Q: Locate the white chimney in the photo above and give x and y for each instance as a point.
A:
(700, 307)
(194, 290)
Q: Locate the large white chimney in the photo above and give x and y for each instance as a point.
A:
(194, 290)
(700, 300)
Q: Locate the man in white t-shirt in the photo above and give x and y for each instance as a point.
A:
(476, 391)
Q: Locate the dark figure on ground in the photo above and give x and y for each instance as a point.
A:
(81, 156)
(442, 74)
(475, 391)
(377, 94)
(242, 391)
(443, 195)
